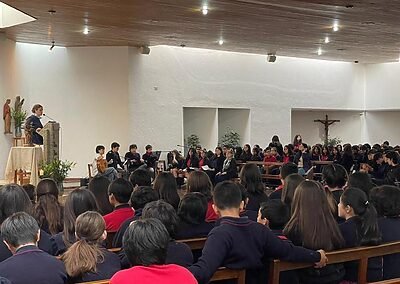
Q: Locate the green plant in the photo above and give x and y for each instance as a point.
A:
(231, 138)
(19, 116)
(193, 140)
(333, 141)
(57, 170)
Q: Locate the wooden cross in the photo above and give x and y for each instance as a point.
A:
(327, 122)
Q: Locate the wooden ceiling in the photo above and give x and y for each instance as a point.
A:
(369, 30)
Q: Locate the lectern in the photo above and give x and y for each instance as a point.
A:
(51, 141)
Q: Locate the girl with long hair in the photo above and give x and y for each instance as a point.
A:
(166, 187)
(313, 226)
(87, 260)
(78, 201)
(48, 210)
(360, 229)
(250, 178)
(99, 187)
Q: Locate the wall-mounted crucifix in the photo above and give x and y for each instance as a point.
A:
(327, 122)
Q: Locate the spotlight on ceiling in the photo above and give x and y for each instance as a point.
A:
(335, 26)
(271, 57)
(53, 44)
(327, 40)
(319, 51)
(144, 50)
(221, 42)
(204, 10)
(86, 31)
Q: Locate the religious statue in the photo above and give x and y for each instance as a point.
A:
(7, 117)
(18, 103)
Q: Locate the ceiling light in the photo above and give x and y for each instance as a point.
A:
(327, 40)
(53, 44)
(319, 52)
(204, 10)
(221, 42)
(86, 31)
(335, 27)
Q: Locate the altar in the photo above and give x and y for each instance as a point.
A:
(27, 159)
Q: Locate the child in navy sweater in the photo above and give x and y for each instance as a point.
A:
(239, 243)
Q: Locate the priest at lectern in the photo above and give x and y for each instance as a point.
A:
(33, 125)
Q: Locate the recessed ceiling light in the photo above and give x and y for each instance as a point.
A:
(86, 31)
(319, 51)
(326, 40)
(221, 42)
(204, 10)
(335, 26)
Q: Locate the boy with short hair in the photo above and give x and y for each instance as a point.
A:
(119, 193)
(274, 214)
(149, 158)
(239, 243)
(113, 157)
(28, 264)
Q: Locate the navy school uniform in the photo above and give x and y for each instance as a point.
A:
(177, 253)
(255, 199)
(104, 270)
(375, 268)
(239, 243)
(252, 215)
(32, 265)
(390, 229)
(35, 123)
(191, 231)
(45, 244)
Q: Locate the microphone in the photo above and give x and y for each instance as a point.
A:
(183, 146)
(52, 119)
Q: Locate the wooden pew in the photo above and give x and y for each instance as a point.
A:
(222, 273)
(362, 254)
(194, 244)
(390, 281)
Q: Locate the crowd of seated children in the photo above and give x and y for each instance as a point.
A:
(14, 199)
(386, 200)
(48, 211)
(101, 167)
(192, 217)
(360, 229)
(166, 187)
(141, 195)
(239, 243)
(77, 202)
(274, 214)
(313, 226)
(87, 259)
(199, 181)
(119, 192)
(99, 187)
(275, 143)
(334, 177)
(21, 232)
(147, 243)
(250, 178)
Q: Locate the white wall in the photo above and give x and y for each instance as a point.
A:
(349, 128)
(234, 119)
(383, 125)
(85, 89)
(202, 122)
(6, 91)
(170, 78)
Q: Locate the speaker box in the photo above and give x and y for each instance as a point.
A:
(271, 57)
(144, 50)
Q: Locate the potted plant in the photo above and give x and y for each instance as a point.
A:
(193, 140)
(231, 138)
(19, 116)
(57, 170)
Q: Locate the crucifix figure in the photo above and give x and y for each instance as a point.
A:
(327, 122)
